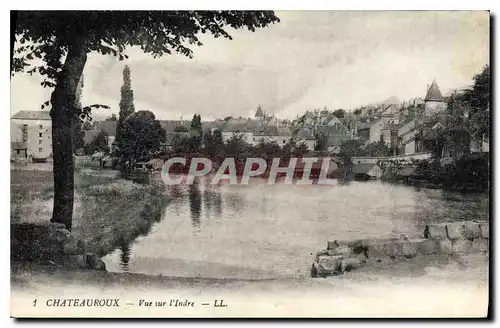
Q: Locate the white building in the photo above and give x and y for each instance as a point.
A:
(31, 135)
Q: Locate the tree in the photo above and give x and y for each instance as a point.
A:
(181, 128)
(99, 144)
(196, 132)
(112, 117)
(377, 149)
(478, 99)
(357, 112)
(351, 148)
(87, 126)
(339, 113)
(142, 135)
(126, 106)
(63, 39)
(213, 141)
(236, 145)
(321, 141)
(78, 134)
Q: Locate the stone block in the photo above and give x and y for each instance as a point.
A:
(445, 246)
(351, 263)
(472, 230)
(462, 246)
(408, 249)
(93, 262)
(394, 249)
(456, 230)
(480, 245)
(485, 230)
(376, 251)
(437, 231)
(426, 246)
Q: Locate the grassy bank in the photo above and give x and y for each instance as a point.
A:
(109, 212)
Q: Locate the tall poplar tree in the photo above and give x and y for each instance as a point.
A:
(56, 44)
(126, 106)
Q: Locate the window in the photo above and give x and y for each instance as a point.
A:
(17, 151)
(39, 142)
(40, 134)
(40, 150)
(284, 141)
(41, 126)
(25, 132)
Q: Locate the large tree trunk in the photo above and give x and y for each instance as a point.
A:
(62, 113)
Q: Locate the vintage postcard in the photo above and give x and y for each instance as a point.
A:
(229, 164)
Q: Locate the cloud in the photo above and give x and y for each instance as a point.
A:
(309, 60)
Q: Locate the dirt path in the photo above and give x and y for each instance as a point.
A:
(419, 287)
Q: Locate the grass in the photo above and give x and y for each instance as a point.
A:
(108, 212)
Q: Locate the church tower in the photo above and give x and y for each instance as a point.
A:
(434, 101)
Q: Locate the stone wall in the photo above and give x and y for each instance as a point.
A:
(50, 243)
(452, 238)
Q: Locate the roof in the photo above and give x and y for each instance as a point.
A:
(259, 112)
(19, 145)
(170, 137)
(170, 125)
(363, 168)
(284, 131)
(305, 134)
(337, 139)
(327, 129)
(434, 94)
(236, 127)
(32, 115)
(266, 130)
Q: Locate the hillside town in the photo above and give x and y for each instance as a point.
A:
(228, 163)
(390, 130)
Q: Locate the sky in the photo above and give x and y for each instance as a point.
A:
(311, 59)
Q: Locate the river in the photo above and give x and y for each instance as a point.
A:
(259, 231)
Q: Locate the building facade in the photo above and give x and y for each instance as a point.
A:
(31, 135)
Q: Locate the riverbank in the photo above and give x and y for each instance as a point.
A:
(100, 219)
(421, 287)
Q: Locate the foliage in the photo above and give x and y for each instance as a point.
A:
(236, 145)
(181, 128)
(478, 99)
(87, 126)
(321, 141)
(112, 117)
(126, 106)
(339, 113)
(142, 134)
(99, 144)
(351, 148)
(377, 149)
(213, 141)
(196, 132)
(55, 44)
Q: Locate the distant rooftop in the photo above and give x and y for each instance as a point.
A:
(32, 115)
(434, 94)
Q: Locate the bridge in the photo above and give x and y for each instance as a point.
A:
(374, 160)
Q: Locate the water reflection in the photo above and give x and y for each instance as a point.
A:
(195, 203)
(262, 230)
(125, 256)
(212, 201)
